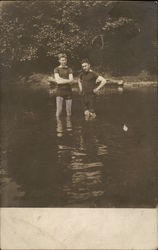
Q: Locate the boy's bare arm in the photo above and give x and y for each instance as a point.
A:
(71, 78)
(61, 80)
(102, 81)
(79, 84)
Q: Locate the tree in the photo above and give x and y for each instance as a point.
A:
(36, 31)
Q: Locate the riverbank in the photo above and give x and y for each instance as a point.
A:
(43, 80)
(39, 81)
(140, 84)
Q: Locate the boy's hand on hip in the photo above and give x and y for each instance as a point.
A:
(75, 81)
(50, 78)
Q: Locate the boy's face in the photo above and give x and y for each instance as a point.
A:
(63, 61)
(86, 66)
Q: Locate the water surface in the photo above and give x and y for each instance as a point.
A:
(77, 162)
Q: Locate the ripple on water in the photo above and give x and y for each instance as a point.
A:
(82, 166)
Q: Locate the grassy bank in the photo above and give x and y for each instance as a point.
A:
(42, 80)
(39, 81)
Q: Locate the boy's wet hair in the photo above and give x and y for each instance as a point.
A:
(62, 55)
(85, 61)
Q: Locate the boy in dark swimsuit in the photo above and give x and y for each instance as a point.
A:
(87, 85)
(64, 78)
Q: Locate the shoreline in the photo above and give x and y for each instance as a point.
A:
(140, 84)
(42, 81)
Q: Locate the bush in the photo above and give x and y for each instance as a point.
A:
(144, 76)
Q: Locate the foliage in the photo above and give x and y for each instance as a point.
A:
(36, 30)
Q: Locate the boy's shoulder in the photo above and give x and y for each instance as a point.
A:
(61, 68)
(56, 68)
(80, 73)
(94, 73)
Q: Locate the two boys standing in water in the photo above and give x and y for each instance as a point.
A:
(87, 85)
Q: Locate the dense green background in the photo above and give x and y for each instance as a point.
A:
(118, 37)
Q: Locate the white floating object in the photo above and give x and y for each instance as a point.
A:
(86, 112)
(125, 128)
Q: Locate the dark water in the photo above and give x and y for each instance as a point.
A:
(77, 162)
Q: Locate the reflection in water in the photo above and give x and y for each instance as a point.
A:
(68, 123)
(86, 173)
(8, 186)
(102, 150)
(49, 162)
(60, 126)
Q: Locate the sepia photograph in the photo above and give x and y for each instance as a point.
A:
(79, 122)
